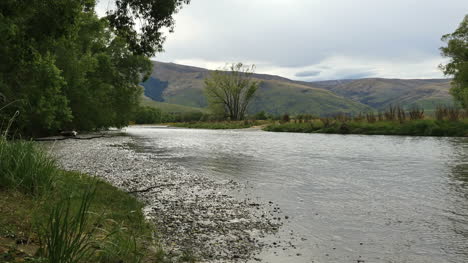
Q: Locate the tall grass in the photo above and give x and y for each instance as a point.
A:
(67, 235)
(25, 167)
(449, 121)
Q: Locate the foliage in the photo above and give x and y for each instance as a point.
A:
(412, 128)
(72, 220)
(457, 51)
(151, 16)
(216, 125)
(231, 90)
(261, 115)
(147, 115)
(65, 68)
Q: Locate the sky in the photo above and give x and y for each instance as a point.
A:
(313, 40)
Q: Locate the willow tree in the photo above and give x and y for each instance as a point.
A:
(457, 51)
(231, 90)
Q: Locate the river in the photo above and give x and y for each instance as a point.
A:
(345, 198)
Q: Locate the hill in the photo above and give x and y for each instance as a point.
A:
(175, 84)
(380, 93)
(183, 85)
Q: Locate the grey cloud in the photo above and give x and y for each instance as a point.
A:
(305, 74)
(298, 33)
(358, 75)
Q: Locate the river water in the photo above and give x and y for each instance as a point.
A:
(348, 198)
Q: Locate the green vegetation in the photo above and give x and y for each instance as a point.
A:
(379, 93)
(170, 108)
(217, 124)
(64, 68)
(448, 121)
(278, 95)
(456, 50)
(60, 216)
(148, 115)
(229, 92)
(410, 128)
(50, 215)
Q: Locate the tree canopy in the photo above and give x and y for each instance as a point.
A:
(63, 67)
(231, 90)
(457, 51)
(140, 22)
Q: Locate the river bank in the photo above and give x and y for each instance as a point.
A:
(49, 215)
(408, 128)
(193, 214)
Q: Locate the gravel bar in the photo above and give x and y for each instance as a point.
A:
(192, 213)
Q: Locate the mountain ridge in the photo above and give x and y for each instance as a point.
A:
(183, 85)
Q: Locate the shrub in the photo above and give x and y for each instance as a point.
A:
(147, 115)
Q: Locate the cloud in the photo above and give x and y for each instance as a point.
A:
(342, 67)
(305, 74)
(382, 38)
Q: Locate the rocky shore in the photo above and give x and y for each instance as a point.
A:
(193, 214)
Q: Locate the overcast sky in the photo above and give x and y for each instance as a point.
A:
(316, 39)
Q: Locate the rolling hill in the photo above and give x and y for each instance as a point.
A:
(380, 93)
(171, 86)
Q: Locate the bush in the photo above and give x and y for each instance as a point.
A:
(147, 115)
(261, 116)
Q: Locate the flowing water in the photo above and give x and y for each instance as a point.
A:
(348, 198)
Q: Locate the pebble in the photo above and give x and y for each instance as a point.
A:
(191, 211)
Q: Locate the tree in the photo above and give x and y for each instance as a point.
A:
(231, 90)
(139, 22)
(66, 68)
(457, 51)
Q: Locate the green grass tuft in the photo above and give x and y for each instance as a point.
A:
(24, 167)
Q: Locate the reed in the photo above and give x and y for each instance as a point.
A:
(416, 113)
(370, 117)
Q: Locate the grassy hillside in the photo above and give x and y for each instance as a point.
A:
(380, 93)
(168, 107)
(183, 85)
(279, 97)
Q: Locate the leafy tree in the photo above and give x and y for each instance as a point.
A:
(231, 90)
(139, 22)
(457, 51)
(65, 68)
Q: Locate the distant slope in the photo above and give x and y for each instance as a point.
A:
(168, 107)
(380, 93)
(183, 85)
(279, 97)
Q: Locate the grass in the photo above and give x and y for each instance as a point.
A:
(426, 127)
(216, 125)
(50, 215)
(25, 168)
